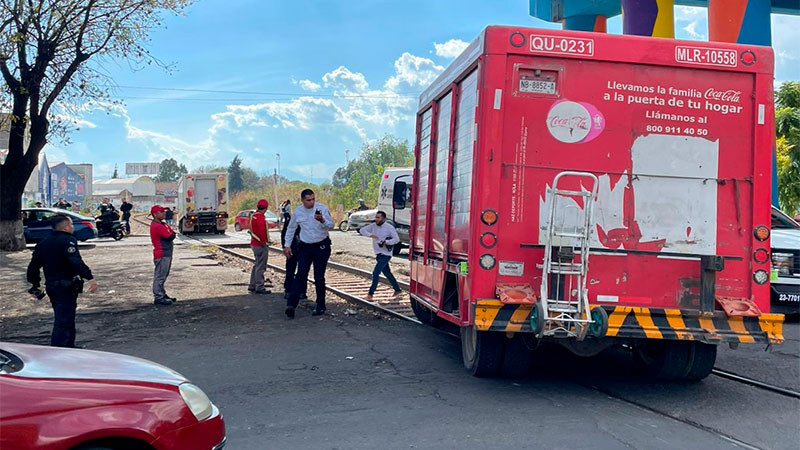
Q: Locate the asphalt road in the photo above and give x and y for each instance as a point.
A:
(345, 383)
(352, 382)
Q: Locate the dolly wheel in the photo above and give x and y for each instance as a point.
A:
(537, 318)
(482, 351)
(599, 325)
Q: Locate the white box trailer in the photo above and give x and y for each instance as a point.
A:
(203, 203)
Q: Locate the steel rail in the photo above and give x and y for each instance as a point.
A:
(755, 383)
(335, 290)
(366, 274)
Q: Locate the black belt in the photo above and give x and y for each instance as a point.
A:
(326, 241)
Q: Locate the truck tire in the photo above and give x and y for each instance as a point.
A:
(423, 313)
(516, 357)
(703, 358)
(662, 359)
(481, 351)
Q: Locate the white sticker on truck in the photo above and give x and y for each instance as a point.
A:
(512, 268)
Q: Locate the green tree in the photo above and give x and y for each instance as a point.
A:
(787, 147)
(170, 170)
(235, 181)
(45, 52)
(361, 177)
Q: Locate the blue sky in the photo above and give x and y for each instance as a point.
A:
(308, 79)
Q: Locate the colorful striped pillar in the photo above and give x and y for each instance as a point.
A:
(589, 22)
(743, 22)
(648, 18)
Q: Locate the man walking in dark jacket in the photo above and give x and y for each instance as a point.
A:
(126, 214)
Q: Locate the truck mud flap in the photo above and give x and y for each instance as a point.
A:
(628, 322)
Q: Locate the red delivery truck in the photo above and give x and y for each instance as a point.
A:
(596, 190)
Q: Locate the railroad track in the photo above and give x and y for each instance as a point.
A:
(348, 282)
(352, 284)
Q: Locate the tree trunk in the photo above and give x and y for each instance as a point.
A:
(12, 184)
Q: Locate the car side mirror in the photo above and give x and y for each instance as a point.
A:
(399, 195)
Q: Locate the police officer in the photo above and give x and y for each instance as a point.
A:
(314, 221)
(64, 272)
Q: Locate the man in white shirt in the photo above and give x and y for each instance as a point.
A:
(384, 237)
(315, 221)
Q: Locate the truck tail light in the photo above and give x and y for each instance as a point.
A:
(761, 256)
(761, 233)
(489, 217)
(487, 261)
(760, 276)
(488, 239)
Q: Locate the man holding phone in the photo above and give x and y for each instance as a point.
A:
(315, 221)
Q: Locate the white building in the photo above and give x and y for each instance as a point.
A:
(142, 190)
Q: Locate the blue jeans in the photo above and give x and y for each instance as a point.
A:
(383, 267)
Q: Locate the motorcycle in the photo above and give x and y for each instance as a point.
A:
(344, 225)
(114, 229)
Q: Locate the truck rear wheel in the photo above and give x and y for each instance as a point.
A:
(424, 314)
(703, 358)
(516, 357)
(662, 359)
(482, 351)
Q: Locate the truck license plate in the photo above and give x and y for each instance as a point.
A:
(537, 86)
(789, 298)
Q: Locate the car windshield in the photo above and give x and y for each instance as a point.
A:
(782, 221)
(270, 215)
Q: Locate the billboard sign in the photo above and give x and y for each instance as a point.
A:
(149, 168)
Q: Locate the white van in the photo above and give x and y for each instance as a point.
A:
(394, 194)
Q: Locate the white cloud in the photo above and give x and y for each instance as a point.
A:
(681, 12)
(414, 71)
(309, 85)
(451, 48)
(691, 29)
(343, 79)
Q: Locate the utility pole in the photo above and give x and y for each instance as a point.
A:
(277, 171)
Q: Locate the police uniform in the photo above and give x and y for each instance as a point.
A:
(64, 272)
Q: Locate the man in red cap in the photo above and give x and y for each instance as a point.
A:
(259, 242)
(161, 235)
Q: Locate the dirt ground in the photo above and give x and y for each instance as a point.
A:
(123, 308)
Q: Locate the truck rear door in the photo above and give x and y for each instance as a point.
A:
(206, 194)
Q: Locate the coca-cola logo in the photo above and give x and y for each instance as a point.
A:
(724, 96)
(574, 122)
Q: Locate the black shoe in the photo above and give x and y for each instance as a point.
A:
(172, 299)
(163, 301)
(318, 312)
(289, 312)
(250, 290)
(262, 291)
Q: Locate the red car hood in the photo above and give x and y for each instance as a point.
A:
(76, 364)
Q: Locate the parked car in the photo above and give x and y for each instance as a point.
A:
(59, 398)
(785, 243)
(360, 219)
(37, 226)
(242, 220)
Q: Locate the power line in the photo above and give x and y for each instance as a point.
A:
(287, 94)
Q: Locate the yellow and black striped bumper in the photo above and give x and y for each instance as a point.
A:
(647, 323)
